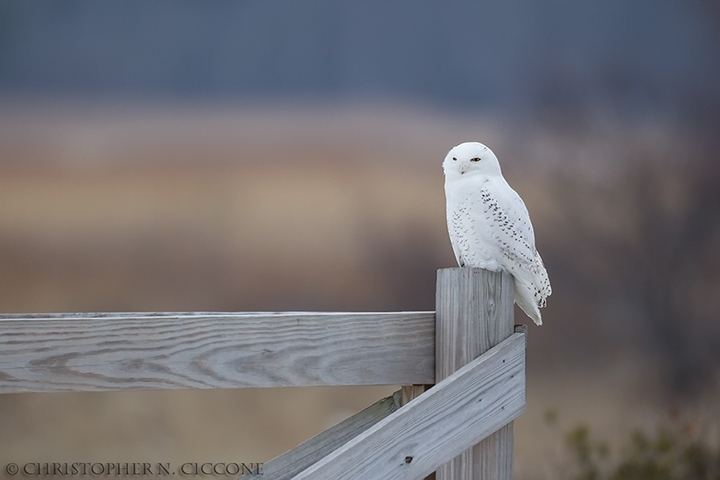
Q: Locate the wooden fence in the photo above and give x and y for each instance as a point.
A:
(468, 349)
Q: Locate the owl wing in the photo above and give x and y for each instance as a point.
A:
(514, 236)
(490, 228)
(509, 228)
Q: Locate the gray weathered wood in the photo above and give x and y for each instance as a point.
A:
(474, 312)
(75, 352)
(291, 463)
(410, 393)
(464, 408)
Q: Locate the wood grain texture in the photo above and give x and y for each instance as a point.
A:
(410, 393)
(112, 351)
(290, 463)
(474, 312)
(455, 414)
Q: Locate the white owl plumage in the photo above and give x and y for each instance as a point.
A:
(489, 225)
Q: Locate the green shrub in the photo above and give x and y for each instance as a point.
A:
(671, 452)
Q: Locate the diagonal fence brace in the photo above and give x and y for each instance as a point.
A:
(454, 415)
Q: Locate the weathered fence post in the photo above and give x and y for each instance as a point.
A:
(474, 312)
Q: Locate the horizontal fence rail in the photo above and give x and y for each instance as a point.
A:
(116, 351)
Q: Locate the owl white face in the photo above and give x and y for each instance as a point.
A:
(470, 159)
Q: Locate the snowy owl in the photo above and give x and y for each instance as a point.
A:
(489, 225)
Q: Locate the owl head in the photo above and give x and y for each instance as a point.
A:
(470, 159)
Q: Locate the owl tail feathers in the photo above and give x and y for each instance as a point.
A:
(526, 301)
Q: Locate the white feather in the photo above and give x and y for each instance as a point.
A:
(489, 225)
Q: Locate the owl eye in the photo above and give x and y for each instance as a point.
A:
(476, 159)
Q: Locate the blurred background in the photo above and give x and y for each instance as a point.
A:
(267, 155)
